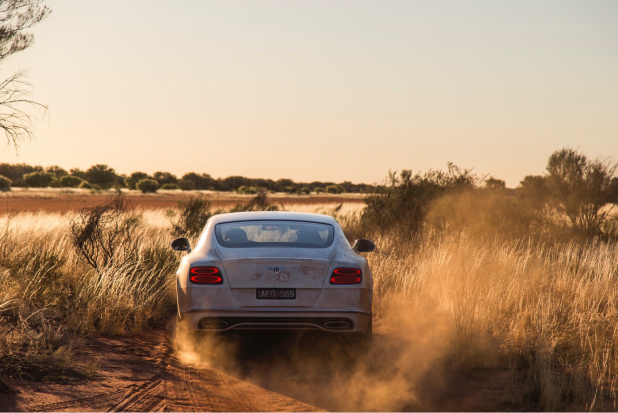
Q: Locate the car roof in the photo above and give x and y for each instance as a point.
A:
(272, 215)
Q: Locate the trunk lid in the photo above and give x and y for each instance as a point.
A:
(302, 269)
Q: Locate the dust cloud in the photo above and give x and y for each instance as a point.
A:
(402, 371)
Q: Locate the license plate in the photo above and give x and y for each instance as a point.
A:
(275, 293)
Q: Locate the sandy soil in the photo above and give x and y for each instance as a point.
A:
(154, 372)
(52, 200)
(142, 373)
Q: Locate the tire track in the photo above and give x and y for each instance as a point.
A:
(141, 399)
(101, 399)
(159, 381)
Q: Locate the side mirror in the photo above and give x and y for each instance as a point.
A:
(364, 245)
(181, 244)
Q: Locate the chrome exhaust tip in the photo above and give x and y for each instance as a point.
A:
(212, 324)
(337, 325)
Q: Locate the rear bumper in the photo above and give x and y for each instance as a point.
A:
(332, 320)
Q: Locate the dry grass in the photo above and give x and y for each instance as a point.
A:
(48, 294)
(549, 310)
(505, 304)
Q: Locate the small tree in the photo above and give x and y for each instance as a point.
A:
(57, 171)
(581, 188)
(70, 181)
(191, 217)
(402, 204)
(104, 234)
(202, 181)
(134, 178)
(5, 183)
(101, 175)
(334, 189)
(39, 179)
(165, 178)
(148, 186)
(186, 185)
(495, 184)
(16, 17)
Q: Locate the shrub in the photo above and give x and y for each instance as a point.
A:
(495, 184)
(70, 181)
(582, 188)
(305, 191)
(186, 185)
(148, 185)
(319, 190)
(85, 185)
(39, 179)
(134, 178)
(259, 203)
(248, 190)
(101, 175)
(191, 217)
(104, 233)
(5, 183)
(170, 186)
(165, 178)
(402, 204)
(334, 189)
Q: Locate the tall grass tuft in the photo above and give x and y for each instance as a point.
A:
(49, 294)
(497, 303)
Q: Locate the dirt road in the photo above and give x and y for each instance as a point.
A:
(157, 372)
(143, 374)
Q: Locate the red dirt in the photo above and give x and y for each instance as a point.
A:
(145, 373)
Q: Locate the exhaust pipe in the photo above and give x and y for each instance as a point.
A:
(337, 325)
(212, 324)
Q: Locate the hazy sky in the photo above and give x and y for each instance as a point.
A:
(322, 89)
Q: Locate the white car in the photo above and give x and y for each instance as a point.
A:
(275, 270)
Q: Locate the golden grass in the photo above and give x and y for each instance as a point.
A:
(507, 304)
(550, 310)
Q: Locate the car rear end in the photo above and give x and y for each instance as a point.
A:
(285, 274)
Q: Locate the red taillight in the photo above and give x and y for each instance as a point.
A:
(346, 276)
(206, 275)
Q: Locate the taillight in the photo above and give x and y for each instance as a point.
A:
(206, 275)
(346, 276)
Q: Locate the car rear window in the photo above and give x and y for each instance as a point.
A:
(249, 234)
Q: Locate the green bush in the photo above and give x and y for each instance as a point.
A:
(305, 191)
(39, 179)
(70, 181)
(148, 185)
(186, 185)
(85, 185)
(248, 190)
(134, 178)
(101, 175)
(319, 190)
(334, 189)
(170, 186)
(5, 183)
